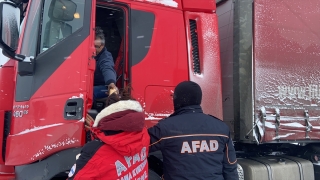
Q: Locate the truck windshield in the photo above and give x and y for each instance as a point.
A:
(60, 18)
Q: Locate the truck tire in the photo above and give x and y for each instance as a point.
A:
(153, 175)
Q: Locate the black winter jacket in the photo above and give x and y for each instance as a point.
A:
(104, 73)
(194, 146)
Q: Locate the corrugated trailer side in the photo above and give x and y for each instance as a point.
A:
(270, 68)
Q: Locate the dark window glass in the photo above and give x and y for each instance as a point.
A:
(29, 42)
(60, 19)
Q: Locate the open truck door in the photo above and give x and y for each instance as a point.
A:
(54, 77)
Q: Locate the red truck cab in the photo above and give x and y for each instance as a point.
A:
(155, 45)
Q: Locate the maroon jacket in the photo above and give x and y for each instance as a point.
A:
(121, 146)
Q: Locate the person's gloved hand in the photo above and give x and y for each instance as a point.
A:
(112, 88)
(89, 122)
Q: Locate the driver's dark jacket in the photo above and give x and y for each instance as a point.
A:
(194, 146)
(105, 72)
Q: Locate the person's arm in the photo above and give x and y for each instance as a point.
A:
(155, 138)
(230, 162)
(106, 65)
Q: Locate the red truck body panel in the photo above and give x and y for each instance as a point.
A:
(38, 125)
(6, 86)
(172, 68)
(45, 130)
(6, 96)
(155, 76)
(7, 75)
(199, 5)
(209, 53)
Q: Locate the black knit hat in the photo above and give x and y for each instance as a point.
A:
(187, 93)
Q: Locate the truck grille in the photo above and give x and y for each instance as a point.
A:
(195, 46)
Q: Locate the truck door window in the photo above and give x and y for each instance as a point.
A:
(60, 19)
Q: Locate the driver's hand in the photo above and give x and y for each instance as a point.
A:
(112, 88)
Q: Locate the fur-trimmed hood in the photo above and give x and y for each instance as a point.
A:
(125, 115)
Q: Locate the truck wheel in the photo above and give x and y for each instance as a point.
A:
(153, 175)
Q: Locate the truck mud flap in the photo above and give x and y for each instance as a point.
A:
(276, 168)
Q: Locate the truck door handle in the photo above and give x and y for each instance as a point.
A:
(73, 110)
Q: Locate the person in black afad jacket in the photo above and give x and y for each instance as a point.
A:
(104, 74)
(194, 145)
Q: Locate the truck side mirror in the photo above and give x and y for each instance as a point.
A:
(17, 2)
(9, 28)
(62, 10)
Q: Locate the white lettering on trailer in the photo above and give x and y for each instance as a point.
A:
(299, 92)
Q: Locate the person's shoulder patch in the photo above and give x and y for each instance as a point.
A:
(72, 170)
